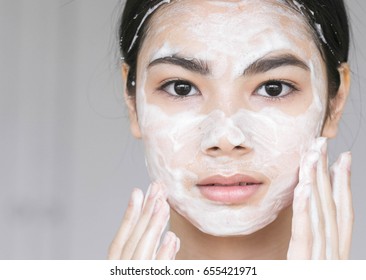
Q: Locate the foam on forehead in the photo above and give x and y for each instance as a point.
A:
(209, 38)
(193, 8)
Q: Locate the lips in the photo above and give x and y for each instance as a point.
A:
(235, 189)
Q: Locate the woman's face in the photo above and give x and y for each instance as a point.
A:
(230, 95)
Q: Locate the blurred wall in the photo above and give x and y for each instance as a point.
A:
(67, 160)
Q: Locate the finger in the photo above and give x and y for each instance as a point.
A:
(301, 243)
(135, 236)
(169, 247)
(301, 236)
(148, 244)
(327, 206)
(317, 217)
(128, 223)
(341, 182)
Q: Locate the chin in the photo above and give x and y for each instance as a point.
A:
(225, 220)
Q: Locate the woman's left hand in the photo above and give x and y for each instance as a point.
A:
(322, 207)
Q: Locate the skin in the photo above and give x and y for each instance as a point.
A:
(318, 222)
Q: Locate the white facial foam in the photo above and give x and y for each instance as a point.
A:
(175, 142)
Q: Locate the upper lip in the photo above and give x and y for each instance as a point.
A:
(235, 180)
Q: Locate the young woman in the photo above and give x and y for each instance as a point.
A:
(234, 101)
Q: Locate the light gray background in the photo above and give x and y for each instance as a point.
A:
(67, 160)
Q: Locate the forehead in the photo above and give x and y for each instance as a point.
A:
(227, 27)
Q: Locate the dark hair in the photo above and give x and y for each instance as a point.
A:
(326, 18)
(135, 20)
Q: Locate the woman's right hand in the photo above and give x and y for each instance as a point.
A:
(143, 224)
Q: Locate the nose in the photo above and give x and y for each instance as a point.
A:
(224, 138)
(225, 148)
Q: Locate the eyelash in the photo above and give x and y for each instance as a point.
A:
(293, 89)
(292, 86)
(167, 83)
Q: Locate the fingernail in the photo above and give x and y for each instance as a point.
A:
(162, 189)
(153, 190)
(168, 237)
(177, 245)
(346, 161)
(134, 196)
(157, 206)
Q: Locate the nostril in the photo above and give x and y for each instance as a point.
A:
(239, 148)
(227, 150)
(216, 149)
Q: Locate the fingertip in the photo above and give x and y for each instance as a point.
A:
(324, 147)
(309, 163)
(136, 192)
(157, 187)
(163, 190)
(343, 162)
(137, 196)
(165, 207)
(319, 143)
(151, 193)
(157, 206)
(177, 244)
(317, 148)
(169, 247)
(168, 238)
(154, 189)
(133, 197)
(346, 160)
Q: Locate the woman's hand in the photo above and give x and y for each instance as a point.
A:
(142, 228)
(322, 208)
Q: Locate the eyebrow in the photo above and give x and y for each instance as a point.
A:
(261, 65)
(266, 64)
(190, 64)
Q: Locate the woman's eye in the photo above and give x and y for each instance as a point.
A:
(180, 88)
(275, 89)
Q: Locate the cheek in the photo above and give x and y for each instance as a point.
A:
(277, 141)
(172, 142)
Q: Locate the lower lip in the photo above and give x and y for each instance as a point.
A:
(229, 194)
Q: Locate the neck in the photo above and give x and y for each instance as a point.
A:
(270, 243)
